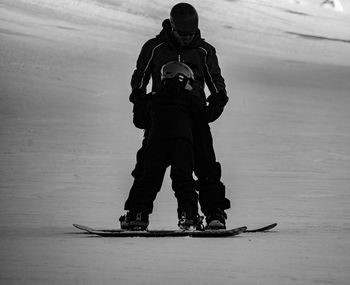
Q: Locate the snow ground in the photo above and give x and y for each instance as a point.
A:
(68, 144)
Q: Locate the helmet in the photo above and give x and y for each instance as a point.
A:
(184, 18)
(176, 68)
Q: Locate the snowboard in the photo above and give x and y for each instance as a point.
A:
(172, 233)
(162, 233)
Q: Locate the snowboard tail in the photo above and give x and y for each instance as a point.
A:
(263, 229)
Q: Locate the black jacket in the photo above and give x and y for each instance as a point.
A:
(168, 115)
(200, 56)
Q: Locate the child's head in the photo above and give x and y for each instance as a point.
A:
(177, 74)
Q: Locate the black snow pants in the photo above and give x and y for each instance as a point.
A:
(208, 171)
(156, 157)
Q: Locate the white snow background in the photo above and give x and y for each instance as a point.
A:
(67, 143)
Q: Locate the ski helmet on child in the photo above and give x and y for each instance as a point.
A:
(178, 69)
(184, 18)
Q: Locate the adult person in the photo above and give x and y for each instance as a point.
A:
(180, 40)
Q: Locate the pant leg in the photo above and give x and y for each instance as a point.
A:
(146, 187)
(137, 171)
(208, 171)
(181, 173)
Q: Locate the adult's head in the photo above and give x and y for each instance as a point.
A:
(184, 22)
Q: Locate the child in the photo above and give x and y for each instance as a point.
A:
(168, 116)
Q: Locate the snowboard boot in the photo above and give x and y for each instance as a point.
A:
(187, 222)
(124, 222)
(216, 220)
(134, 221)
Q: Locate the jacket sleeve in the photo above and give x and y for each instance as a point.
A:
(213, 77)
(142, 74)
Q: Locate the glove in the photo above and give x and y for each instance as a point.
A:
(216, 105)
(137, 95)
(219, 99)
(213, 112)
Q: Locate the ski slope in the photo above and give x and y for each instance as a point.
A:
(68, 145)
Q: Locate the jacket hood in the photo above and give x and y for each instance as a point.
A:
(166, 36)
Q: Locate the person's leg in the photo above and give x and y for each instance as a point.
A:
(183, 183)
(145, 188)
(149, 184)
(137, 172)
(212, 196)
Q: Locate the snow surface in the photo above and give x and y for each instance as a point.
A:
(68, 144)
